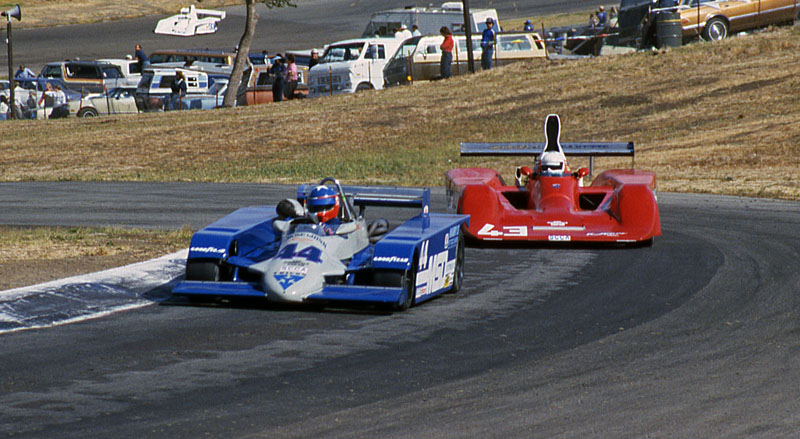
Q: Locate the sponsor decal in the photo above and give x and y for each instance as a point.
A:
(207, 250)
(559, 238)
(293, 269)
(453, 232)
(287, 280)
(432, 271)
(612, 234)
(556, 185)
(557, 223)
(300, 236)
(390, 259)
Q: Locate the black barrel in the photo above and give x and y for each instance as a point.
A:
(668, 29)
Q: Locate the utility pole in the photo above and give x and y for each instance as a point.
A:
(468, 30)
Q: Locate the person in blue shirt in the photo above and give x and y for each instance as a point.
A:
(528, 26)
(141, 59)
(602, 16)
(487, 44)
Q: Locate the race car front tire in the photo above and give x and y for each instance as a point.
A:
(409, 285)
(202, 270)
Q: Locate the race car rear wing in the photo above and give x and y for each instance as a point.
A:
(581, 149)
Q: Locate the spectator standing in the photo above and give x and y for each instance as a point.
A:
(314, 58)
(415, 31)
(528, 26)
(60, 105)
(4, 108)
(278, 71)
(403, 33)
(24, 73)
(602, 16)
(141, 58)
(487, 44)
(32, 106)
(447, 52)
(291, 76)
(179, 89)
(56, 96)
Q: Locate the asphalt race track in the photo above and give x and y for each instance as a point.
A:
(695, 337)
(313, 23)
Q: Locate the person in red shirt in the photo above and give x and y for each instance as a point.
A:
(447, 52)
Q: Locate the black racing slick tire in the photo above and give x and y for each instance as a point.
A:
(409, 284)
(202, 270)
(716, 30)
(458, 274)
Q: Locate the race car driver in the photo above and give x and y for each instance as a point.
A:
(323, 202)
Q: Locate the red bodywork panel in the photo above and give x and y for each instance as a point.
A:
(619, 206)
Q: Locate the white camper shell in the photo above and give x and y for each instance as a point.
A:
(352, 65)
(429, 20)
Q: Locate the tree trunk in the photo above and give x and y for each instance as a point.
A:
(241, 54)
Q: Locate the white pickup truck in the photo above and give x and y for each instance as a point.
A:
(352, 65)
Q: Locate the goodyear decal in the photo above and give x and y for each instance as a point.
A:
(390, 259)
(207, 250)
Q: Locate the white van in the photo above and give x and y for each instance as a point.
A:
(155, 88)
(429, 19)
(351, 65)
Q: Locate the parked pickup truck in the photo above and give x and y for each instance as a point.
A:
(422, 55)
(352, 65)
(84, 76)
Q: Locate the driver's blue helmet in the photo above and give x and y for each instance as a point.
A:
(323, 202)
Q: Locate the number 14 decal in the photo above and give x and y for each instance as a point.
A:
(489, 230)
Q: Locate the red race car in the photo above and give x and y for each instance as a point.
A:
(549, 202)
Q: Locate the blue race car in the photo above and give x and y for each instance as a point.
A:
(317, 249)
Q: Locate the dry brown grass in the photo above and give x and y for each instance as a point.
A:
(38, 13)
(717, 118)
(41, 254)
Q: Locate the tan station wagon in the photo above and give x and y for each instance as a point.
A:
(718, 18)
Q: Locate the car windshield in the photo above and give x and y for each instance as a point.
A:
(344, 52)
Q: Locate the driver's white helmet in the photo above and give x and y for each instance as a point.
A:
(552, 162)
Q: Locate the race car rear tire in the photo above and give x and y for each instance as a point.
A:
(202, 270)
(458, 274)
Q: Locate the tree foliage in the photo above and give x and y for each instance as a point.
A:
(244, 45)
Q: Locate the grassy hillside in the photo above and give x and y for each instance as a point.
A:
(717, 118)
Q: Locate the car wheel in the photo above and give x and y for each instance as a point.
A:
(87, 112)
(363, 87)
(202, 270)
(716, 29)
(409, 288)
(458, 274)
